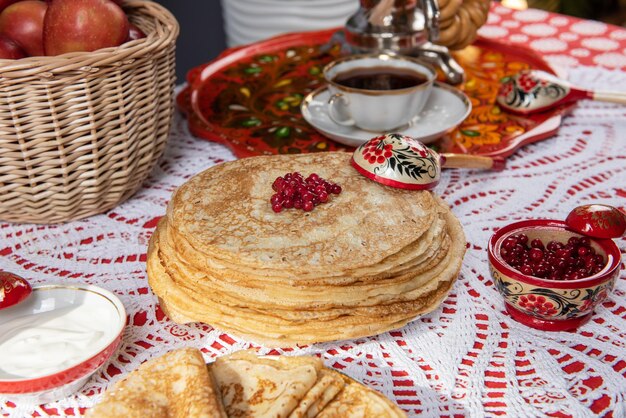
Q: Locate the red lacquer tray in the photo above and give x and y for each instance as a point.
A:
(249, 98)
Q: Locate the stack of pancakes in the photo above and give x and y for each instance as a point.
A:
(369, 260)
(180, 385)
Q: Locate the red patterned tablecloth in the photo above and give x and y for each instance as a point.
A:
(468, 358)
(562, 40)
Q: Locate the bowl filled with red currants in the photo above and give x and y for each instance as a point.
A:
(552, 275)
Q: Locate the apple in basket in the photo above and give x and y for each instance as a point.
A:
(83, 25)
(23, 23)
(9, 49)
(135, 33)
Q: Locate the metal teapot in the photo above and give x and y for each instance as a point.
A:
(401, 27)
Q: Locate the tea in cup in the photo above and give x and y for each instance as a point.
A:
(377, 92)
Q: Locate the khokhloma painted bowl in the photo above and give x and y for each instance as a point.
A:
(551, 305)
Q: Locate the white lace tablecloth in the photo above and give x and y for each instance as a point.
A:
(466, 358)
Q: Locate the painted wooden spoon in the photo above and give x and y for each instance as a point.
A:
(533, 91)
(13, 289)
(598, 221)
(401, 161)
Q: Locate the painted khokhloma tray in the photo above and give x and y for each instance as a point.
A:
(249, 98)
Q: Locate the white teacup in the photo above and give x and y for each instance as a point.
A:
(377, 92)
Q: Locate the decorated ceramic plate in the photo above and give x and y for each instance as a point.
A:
(249, 98)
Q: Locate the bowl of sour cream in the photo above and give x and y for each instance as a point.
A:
(52, 342)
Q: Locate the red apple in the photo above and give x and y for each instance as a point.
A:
(83, 25)
(134, 33)
(23, 22)
(9, 49)
(6, 3)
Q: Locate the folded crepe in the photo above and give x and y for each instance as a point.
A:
(179, 384)
(359, 401)
(328, 385)
(254, 386)
(293, 387)
(175, 385)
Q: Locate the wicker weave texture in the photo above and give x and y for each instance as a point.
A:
(80, 132)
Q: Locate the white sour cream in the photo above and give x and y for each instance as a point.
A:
(43, 343)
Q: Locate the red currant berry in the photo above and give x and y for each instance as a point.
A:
(522, 239)
(278, 184)
(583, 251)
(509, 243)
(536, 243)
(276, 199)
(536, 254)
(553, 246)
(335, 189)
(294, 191)
(527, 270)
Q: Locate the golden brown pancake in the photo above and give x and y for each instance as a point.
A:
(370, 260)
(328, 385)
(225, 211)
(359, 401)
(243, 384)
(175, 385)
(261, 387)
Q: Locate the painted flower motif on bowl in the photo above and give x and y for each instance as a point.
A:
(537, 305)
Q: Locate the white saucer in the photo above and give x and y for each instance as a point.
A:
(446, 108)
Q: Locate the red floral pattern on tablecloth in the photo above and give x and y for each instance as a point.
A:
(468, 357)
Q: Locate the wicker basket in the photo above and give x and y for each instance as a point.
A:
(80, 132)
